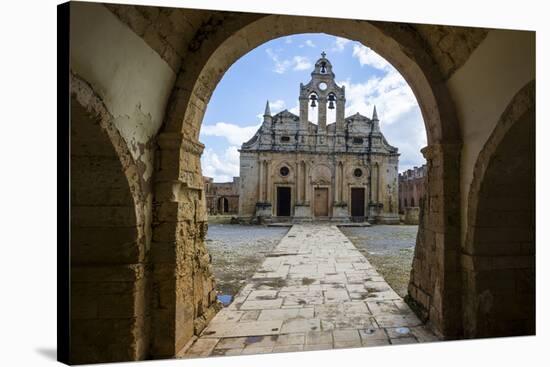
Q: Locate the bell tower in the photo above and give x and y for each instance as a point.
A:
(321, 93)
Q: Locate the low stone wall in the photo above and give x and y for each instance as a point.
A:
(411, 215)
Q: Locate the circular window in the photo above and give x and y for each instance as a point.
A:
(284, 171)
(358, 172)
(323, 86)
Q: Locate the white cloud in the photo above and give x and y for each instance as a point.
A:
(222, 168)
(276, 105)
(282, 65)
(390, 93)
(301, 63)
(339, 44)
(288, 40)
(400, 117)
(366, 56)
(234, 134)
(310, 43)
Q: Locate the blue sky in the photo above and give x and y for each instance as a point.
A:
(274, 70)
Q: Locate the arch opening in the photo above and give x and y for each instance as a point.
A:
(185, 116)
(107, 237)
(500, 246)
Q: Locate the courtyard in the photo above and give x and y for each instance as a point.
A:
(314, 290)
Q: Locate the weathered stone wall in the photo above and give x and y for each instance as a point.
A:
(412, 215)
(307, 171)
(218, 192)
(499, 252)
(184, 295)
(480, 104)
(110, 292)
(411, 188)
(435, 282)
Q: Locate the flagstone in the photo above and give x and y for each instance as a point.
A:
(314, 291)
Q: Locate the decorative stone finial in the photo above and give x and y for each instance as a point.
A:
(323, 54)
(374, 114)
(267, 109)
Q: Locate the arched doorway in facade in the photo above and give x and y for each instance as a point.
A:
(223, 205)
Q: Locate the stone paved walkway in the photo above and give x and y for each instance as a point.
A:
(314, 291)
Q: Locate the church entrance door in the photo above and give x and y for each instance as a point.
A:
(283, 201)
(321, 202)
(358, 203)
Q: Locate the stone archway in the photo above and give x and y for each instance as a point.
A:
(223, 205)
(109, 292)
(499, 251)
(179, 196)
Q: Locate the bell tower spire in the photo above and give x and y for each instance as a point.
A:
(375, 121)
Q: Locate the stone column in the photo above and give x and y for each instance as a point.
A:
(303, 112)
(298, 198)
(260, 180)
(337, 179)
(342, 196)
(322, 117)
(436, 282)
(340, 105)
(268, 181)
(304, 180)
(307, 183)
(378, 183)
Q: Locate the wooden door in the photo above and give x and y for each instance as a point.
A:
(321, 202)
(283, 201)
(358, 203)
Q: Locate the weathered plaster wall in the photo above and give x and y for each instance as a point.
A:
(132, 80)
(482, 88)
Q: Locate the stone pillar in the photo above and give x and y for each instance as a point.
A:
(435, 282)
(337, 185)
(260, 180)
(268, 182)
(307, 183)
(304, 181)
(378, 184)
(342, 193)
(303, 112)
(340, 137)
(340, 105)
(298, 198)
(322, 125)
(185, 298)
(322, 117)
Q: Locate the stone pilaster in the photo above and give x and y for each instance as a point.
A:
(435, 284)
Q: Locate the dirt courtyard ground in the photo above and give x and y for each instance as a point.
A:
(389, 248)
(238, 250)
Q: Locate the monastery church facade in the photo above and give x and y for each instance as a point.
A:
(293, 169)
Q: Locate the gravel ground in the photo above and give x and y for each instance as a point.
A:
(237, 251)
(389, 248)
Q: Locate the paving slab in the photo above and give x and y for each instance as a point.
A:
(314, 291)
